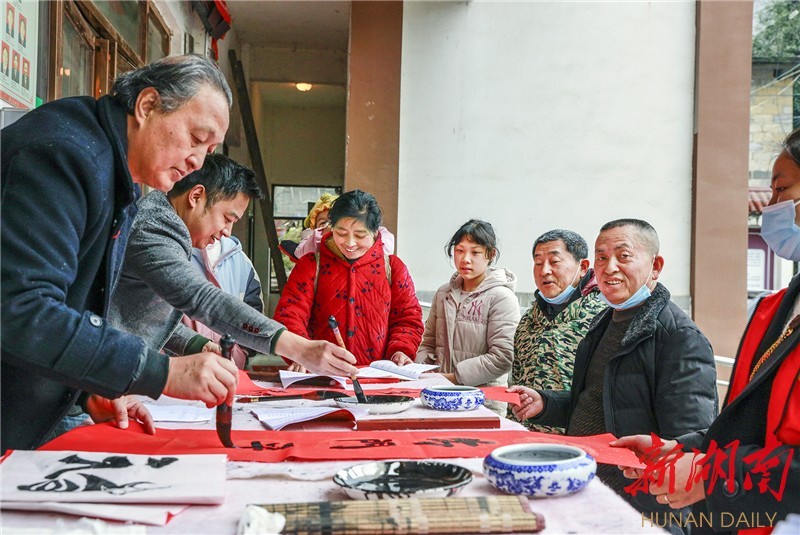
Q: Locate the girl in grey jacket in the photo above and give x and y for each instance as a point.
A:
(470, 329)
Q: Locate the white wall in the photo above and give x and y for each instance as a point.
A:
(303, 146)
(540, 115)
(299, 145)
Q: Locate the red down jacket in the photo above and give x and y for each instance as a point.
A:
(375, 319)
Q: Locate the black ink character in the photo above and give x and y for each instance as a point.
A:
(270, 446)
(115, 461)
(92, 484)
(54, 483)
(365, 443)
(277, 445)
(160, 463)
(451, 442)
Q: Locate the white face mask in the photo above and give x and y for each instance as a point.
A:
(641, 295)
(563, 296)
(780, 231)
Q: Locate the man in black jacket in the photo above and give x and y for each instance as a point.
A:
(643, 365)
(70, 175)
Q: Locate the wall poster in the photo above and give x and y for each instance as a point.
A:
(19, 24)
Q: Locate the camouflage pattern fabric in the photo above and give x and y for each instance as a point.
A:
(544, 350)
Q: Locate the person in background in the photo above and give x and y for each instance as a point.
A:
(317, 223)
(369, 293)
(23, 32)
(643, 366)
(26, 79)
(6, 60)
(159, 284)
(70, 172)
(761, 413)
(225, 265)
(10, 21)
(469, 332)
(15, 66)
(566, 301)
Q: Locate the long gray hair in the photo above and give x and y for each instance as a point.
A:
(176, 78)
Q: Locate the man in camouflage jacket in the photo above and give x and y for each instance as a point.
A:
(565, 304)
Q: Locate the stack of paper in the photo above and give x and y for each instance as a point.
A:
(376, 369)
(279, 417)
(387, 368)
(289, 378)
(179, 413)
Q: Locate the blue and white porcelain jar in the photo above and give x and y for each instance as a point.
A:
(539, 470)
(452, 398)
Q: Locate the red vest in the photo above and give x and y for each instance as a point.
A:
(783, 412)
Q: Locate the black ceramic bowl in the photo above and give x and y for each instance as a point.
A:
(378, 404)
(402, 479)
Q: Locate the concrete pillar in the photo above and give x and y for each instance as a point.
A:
(373, 105)
(722, 115)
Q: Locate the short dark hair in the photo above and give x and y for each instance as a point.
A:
(476, 231)
(645, 230)
(176, 78)
(574, 242)
(792, 145)
(222, 178)
(359, 205)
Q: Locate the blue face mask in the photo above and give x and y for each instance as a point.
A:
(636, 299)
(780, 231)
(563, 296)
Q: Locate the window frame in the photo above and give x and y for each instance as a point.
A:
(110, 48)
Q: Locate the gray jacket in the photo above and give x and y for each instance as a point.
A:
(159, 284)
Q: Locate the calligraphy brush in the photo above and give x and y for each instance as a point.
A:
(225, 411)
(334, 325)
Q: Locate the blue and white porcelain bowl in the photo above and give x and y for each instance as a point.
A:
(452, 398)
(539, 470)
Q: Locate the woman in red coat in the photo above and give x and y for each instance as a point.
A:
(370, 294)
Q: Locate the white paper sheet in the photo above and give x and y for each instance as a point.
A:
(155, 515)
(388, 369)
(180, 413)
(289, 378)
(381, 369)
(92, 477)
(44, 525)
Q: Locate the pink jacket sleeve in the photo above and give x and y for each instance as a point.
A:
(310, 244)
(388, 240)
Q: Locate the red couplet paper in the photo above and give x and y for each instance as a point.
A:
(498, 393)
(247, 387)
(277, 446)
